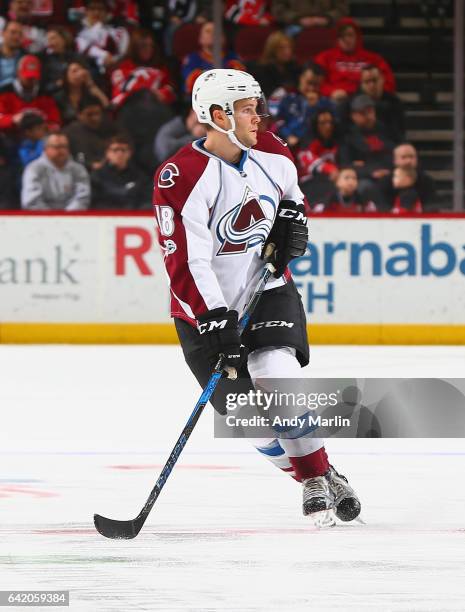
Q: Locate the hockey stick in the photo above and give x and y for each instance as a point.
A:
(127, 530)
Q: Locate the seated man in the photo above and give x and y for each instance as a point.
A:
(90, 132)
(98, 40)
(176, 133)
(389, 107)
(54, 181)
(119, 183)
(367, 147)
(11, 51)
(34, 36)
(24, 95)
(405, 156)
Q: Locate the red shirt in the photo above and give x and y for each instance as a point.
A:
(343, 69)
(11, 104)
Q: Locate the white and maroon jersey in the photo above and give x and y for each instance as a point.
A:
(213, 219)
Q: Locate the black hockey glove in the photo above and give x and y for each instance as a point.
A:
(289, 234)
(219, 331)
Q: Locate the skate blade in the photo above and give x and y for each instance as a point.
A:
(323, 519)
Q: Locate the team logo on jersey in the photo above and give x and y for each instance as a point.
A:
(169, 247)
(246, 225)
(165, 178)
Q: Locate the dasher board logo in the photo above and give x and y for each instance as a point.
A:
(247, 224)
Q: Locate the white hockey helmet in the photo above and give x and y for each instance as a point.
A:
(223, 87)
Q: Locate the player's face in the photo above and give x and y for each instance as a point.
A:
(247, 121)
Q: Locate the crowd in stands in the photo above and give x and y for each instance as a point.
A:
(94, 94)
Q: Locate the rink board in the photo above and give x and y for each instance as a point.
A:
(87, 278)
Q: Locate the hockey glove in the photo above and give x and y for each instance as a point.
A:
(289, 234)
(219, 332)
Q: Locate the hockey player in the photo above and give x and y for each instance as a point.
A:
(219, 202)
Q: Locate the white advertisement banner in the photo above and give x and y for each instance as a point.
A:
(104, 269)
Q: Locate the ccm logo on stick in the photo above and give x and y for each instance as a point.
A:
(271, 324)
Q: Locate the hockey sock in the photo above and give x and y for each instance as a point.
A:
(274, 452)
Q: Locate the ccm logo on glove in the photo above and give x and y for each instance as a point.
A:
(292, 214)
(211, 325)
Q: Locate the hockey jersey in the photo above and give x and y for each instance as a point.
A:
(213, 218)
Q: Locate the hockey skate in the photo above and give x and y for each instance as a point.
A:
(318, 501)
(346, 505)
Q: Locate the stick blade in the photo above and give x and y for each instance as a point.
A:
(116, 530)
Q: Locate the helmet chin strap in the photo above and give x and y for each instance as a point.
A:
(230, 133)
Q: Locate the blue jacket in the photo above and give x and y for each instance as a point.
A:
(295, 114)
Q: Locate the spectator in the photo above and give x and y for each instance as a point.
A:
(142, 68)
(389, 108)
(33, 129)
(346, 198)
(344, 62)
(11, 51)
(177, 133)
(119, 184)
(21, 11)
(100, 41)
(249, 12)
(199, 61)
(56, 58)
(317, 162)
(89, 134)
(23, 95)
(120, 11)
(367, 147)
(296, 110)
(405, 156)
(309, 13)
(406, 196)
(277, 71)
(77, 84)
(55, 181)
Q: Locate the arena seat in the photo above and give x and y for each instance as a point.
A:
(185, 40)
(310, 41)
(250, 40)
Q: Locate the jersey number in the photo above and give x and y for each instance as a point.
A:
(165, 219)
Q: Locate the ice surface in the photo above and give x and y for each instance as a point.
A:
(87, 429)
